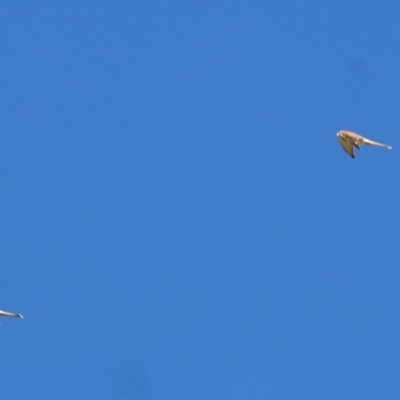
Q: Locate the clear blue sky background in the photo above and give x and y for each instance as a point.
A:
(178, 219)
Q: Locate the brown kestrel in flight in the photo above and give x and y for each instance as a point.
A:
(349, 140)
(9, 314)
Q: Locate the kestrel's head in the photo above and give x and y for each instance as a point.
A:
(342, 135)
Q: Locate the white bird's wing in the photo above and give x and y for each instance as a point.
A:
(372, 143)
(9, 314)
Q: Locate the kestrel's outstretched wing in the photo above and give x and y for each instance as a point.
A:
(347, 146)
(9, 314)
(372, 143)
(349, 140)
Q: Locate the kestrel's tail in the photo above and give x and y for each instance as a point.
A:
(372, 143)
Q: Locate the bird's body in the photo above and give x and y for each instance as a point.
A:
(9, 314)
(349, 140)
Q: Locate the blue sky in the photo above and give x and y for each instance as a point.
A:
(178, 219)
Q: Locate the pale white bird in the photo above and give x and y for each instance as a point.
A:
(349, 140)
(10, 314)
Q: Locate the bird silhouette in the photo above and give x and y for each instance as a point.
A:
(350, 140)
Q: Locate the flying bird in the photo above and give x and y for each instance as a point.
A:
(9, 314)
(349, 140)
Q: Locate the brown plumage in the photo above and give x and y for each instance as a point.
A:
(349, 140)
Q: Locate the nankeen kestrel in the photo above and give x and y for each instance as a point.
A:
(349, 140)
(9, 314)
